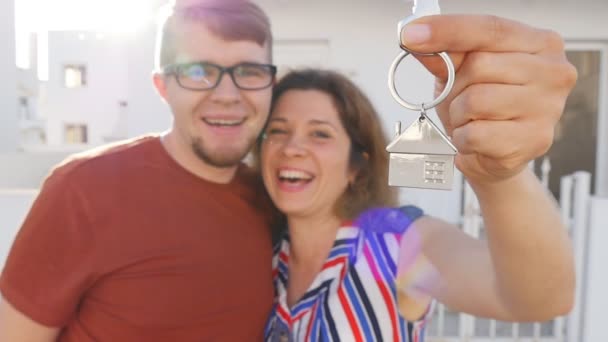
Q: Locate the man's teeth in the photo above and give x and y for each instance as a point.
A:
(294, 175)
(223, 122)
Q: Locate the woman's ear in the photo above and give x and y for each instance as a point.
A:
(355, 169)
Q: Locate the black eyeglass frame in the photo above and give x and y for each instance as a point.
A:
(174, 69)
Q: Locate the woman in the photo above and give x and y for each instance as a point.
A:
(337, 267)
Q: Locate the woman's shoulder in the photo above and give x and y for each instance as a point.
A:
(388, 220)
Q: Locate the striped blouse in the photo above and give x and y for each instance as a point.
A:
(354, 296)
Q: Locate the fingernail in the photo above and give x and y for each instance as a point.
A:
(416, 34)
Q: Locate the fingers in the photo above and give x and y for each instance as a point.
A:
(461, 33)
(511, 141)
(505, 68)
(500, 102)
(506, 86)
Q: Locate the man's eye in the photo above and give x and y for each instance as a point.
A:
(250, 72)
(195, 72)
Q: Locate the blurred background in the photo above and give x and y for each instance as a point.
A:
(77, 74)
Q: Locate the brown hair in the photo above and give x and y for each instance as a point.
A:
(230, 19)
(368, 156)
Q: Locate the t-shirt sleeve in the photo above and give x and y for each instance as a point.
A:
(51, 263)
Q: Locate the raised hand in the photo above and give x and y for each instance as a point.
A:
(511, 86)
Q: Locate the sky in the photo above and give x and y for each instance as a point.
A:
(41, 16)
(102, 15)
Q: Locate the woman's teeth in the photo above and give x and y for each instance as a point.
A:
(294, 176)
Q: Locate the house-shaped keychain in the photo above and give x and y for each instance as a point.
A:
(421, 157)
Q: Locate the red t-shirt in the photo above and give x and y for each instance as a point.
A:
(122, 244)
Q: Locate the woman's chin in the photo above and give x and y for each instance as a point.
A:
(291, 211)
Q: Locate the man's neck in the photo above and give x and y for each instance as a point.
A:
(187, 159)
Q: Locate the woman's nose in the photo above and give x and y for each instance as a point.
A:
(295, 146)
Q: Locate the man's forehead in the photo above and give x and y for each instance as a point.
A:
(197, 36)
(189, 3)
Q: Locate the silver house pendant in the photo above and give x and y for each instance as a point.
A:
(421, 157)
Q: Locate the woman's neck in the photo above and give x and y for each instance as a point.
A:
(311, 241)
(311, 238)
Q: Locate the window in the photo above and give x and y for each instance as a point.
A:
(579, 134)
(75, 76)
(24, 108)
(76, 134)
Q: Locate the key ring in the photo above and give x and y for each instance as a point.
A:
(421, 107)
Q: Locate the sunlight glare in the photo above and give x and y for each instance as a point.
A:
(116, 16)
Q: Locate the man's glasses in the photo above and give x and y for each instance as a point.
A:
(205, 76)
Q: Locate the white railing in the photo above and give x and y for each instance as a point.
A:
(596, 298)
(449, 326)
(575, 200)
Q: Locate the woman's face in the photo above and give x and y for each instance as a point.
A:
(305, 154)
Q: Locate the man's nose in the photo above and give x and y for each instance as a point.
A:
(226, 90)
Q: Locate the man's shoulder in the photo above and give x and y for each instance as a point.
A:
(107, 158)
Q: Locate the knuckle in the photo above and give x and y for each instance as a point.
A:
(555, 109)
(569, 74)
(562, 74)
(466, 101)
(473, 100)
(553, 40)
(511, 163)
(477, 63)
(496, 27)
(471, 136)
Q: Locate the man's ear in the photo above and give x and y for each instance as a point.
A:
(160, 84)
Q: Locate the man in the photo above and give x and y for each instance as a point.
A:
(159, 239)
(162, 239)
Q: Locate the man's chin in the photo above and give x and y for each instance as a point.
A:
(223, 162)
(221, 159)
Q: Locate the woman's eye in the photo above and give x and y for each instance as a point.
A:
(321, 134)
(275, 131)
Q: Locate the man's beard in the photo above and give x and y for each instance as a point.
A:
(218, 158)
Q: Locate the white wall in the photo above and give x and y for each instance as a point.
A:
(96, 104)
(8, 89)
(147, 113)
(13, 208)
(27, 170)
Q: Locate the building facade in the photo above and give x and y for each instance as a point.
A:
(8, 93)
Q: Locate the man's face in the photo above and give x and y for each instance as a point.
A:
(219, 125)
